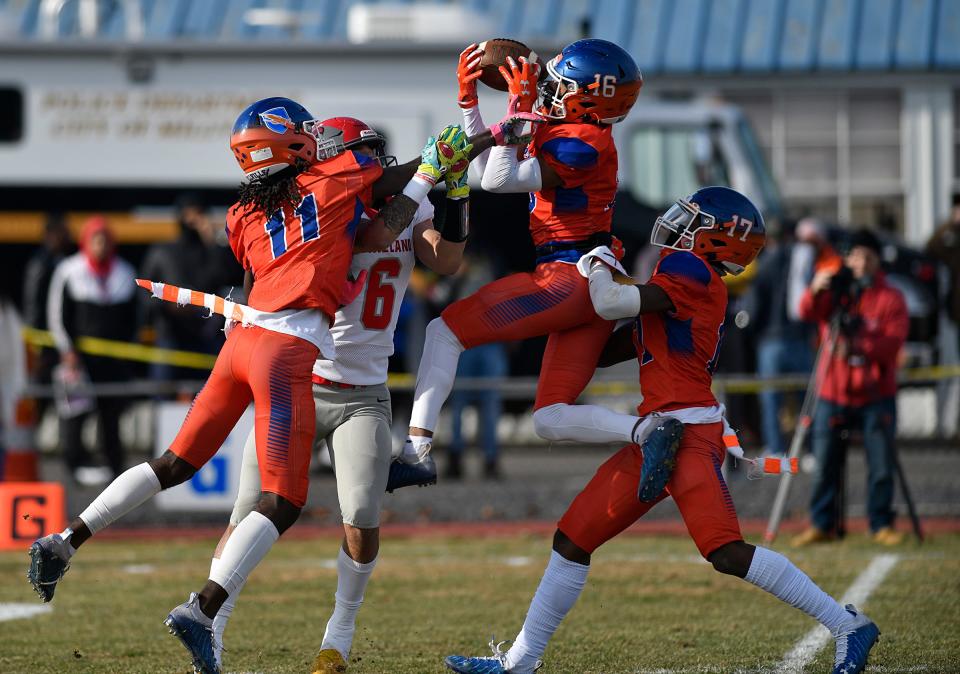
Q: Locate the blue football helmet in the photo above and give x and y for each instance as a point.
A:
(590, 81)
(274, 133)
(716, 223)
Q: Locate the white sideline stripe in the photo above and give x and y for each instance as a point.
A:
(857, 594)
(12, 611)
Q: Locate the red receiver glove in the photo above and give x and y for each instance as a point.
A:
(467, 74)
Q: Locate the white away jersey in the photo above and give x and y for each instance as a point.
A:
(363, 330)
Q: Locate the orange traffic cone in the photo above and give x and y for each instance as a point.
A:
(21, 460)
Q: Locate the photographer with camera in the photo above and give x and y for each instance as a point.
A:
(863, 325)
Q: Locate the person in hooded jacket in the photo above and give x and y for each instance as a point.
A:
(92, 295)
(193, 260)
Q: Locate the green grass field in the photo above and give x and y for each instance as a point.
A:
(650, 605)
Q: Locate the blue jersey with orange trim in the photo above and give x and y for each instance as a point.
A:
(678, 349)
(585, 158)
(300, 255)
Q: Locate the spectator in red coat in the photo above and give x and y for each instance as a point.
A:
(858, 385)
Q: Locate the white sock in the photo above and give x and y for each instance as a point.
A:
(776, 574)
(584, 423)
(194, 605)
(559, 588)
(438, 368)
(249, 543)
(415, 445)
(130, 489)
(69, 549)
(352, 580)
(223, 615)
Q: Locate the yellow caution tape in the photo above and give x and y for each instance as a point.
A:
(97, 346)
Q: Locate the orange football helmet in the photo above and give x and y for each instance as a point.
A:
(273, 133)
(590, 80)
(716, 223)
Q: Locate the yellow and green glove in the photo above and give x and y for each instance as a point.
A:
(453, 148)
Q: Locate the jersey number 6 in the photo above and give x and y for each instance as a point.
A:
(381, 295)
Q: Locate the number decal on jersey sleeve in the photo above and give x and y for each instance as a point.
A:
(276, 228)
(381, 295)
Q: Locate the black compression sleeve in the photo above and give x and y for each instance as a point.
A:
(456, 226)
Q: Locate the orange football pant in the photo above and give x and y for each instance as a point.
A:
(554, 300)
(609, 504)
(273, 370)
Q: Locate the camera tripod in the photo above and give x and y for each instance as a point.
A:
(808, 408)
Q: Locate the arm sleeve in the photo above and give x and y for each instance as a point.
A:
(504, 173)
(883, 343)
(474, 126)
(685, 279)
(56, 305)
(610, 299)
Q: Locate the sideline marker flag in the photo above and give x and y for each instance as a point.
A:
(184, 296)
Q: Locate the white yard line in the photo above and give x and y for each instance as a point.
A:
(857, 594)
(11, 611)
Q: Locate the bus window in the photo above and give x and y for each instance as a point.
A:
(11, 102)
(671, 162)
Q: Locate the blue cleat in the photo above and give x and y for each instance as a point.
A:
(659, 458)
(49, 560)
(407, 470)
(854, 643)
(465, 665)
(195, 632)
(495, 664)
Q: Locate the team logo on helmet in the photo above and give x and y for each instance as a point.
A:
(277, 120)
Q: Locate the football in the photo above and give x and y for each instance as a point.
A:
(495, 53)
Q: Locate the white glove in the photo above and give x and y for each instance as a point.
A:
(602, 253)
(611, 300)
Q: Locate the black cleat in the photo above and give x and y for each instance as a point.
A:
(659, 458)
(407, 470)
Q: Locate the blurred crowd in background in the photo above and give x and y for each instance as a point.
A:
(84, 286)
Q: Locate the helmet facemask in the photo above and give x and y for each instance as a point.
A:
(678, 226)
(329, 139)
(554, 89)
(378, 143)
